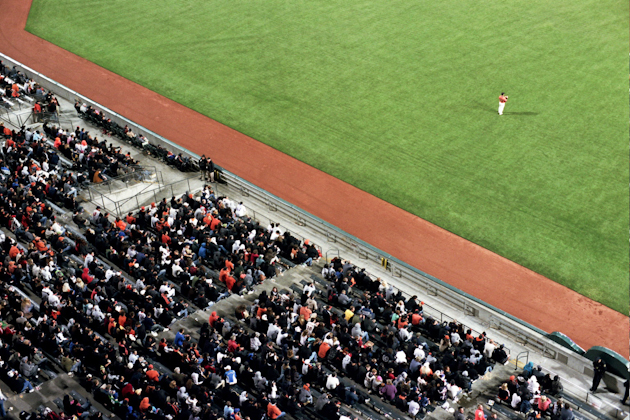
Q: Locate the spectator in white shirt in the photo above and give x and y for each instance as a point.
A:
(327, 271)
(418, 352)
(281, 336)
(516, 401)
(177, 269)
(414, 408)
(57, 228)
(170, 292)
(404, 334)
(309, 289)
(332, 382)
(453, 391)
(401, 357)
(240, 210)
(88, 260)
(272, 331)
(489, 348)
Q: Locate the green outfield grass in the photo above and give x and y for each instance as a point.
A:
(399, 98)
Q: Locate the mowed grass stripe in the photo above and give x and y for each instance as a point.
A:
(399, 99)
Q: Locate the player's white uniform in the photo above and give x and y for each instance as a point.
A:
(502, 102)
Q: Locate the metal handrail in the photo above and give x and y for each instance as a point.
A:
(524, 354)
(332, 250)
(136, 168)
(119, 205)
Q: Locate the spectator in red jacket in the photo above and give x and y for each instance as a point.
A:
(274, 412)
(479, 414)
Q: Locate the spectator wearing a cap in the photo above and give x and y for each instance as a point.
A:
(305, 396)
(599, 369)
(228, 410)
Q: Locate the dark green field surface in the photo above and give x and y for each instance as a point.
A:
(399, 98)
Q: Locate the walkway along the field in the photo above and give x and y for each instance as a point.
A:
(492, 278)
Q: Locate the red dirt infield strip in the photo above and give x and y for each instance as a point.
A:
(469, 267)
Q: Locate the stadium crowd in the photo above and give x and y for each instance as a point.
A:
(341, 341)
(535, 394)
(84, 299)
(308, 353)
(112, 128)
(173, 246)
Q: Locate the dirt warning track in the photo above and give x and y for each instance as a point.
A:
(469, 267)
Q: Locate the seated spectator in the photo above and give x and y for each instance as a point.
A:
(273, 411)
(543, 404)
(499, 355)
(389, 390)
(332, 382)
(555, 387)
(504, 393)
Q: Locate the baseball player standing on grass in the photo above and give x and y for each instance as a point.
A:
(502, 100)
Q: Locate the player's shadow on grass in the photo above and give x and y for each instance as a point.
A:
(526, 113)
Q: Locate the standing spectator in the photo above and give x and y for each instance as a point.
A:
(228, 410)
(389, 390)
(543, 404)
(600, 368)
(179, 338)
(210, 170)
(203, 167)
